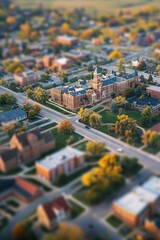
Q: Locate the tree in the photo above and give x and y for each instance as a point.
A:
(112, 169)
(7, 98)
(123, 124)
(44, 77)
(120, 101)
(116, 54)
(40, 94)
(95, 148)
(95, 119)
(121, 66)
(130, 165)
(129, 92)
(154, 139)
(142, 65)
(37, 108)
(145, 137)
(11, 20)
(19, 232)
(31, 114)
(114, 107)
(67, 232)
(84, 114)
(27, 106)
(65, 127)
(147, 116)
(150, 79)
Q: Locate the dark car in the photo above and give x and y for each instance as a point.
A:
(86, 126)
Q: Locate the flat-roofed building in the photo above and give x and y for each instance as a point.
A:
(154, 91)
(140, 203)
(66, 40)
(62, 63)
(65, 161)
(131, 208)
(27, 77)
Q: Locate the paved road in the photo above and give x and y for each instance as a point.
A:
(149, 161)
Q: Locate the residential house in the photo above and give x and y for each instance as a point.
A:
(62, 63)
(48, 60)
(25, 60)
(25, 147)
(27, 77)
(14, 115)
(67, 40)
(65, 161)
(154, 91)
(19, 188)
(50, 214)
(140, 203)
(77, 55)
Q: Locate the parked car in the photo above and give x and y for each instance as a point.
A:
(86, 126)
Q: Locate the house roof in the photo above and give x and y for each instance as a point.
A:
(25, 138)
(12, 115)
(58, 158)
(21, 186)
(9, 154)
(156, 128)
(57, 204)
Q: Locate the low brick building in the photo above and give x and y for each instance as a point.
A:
(65, 161)
(66, 40)
(26, 78)
(62, 63)
(19, 188)
(77, 55)
(50, 214)
(25, 147)
(136, 206)
(48, 60)
(154, 91)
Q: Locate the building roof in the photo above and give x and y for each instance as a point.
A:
(156, 128)
(153, 185)
(154, 88)
(68, 37)
(132, 202)
(147, 195)
(57, 204)
(58, 158)
(21, 186)
(62, 61)
(12, 115)
(9, 154)
(26, 137)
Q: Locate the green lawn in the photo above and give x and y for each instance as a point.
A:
(39, 184)
(152, 150)
(32, 171)
(73, 176)
(13, 203)
(48, 126)
(110, 117)
(76, 210)
(57, 109)
(81, 146)
(65, 139)
(98, 109)
(3, 223)
(114, 221)
(12, 172)
(4, 108)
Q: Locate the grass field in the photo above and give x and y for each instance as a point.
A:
(89, 5)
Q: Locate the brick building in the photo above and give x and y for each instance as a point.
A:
(51, 213)
(65, 161)
(26, 78)
(154, 91)
(62, 63)
(66, 40)
(25, 147)
(134, 207)
(48, 60)
(77, 55)
(19, 188)
(98, 89)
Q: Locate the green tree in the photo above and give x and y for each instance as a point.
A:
(65, 127)
(40, 95)
(124, 124)
(95, 119)
(147, 116)
(84, 114)
(95, 148)
(154, 139)
(121, 66)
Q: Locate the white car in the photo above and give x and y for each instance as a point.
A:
(119, 150)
